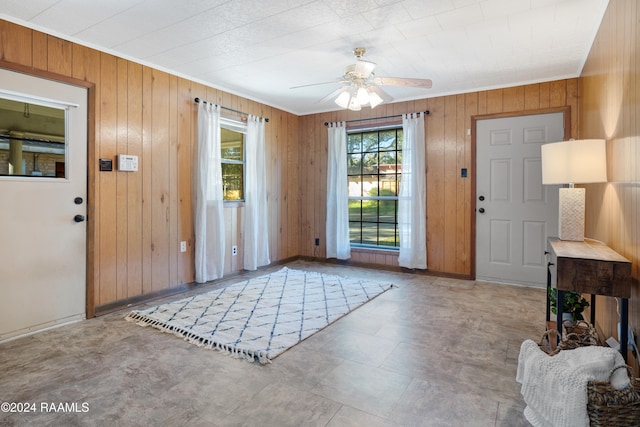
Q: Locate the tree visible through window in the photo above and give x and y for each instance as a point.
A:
(232, 153)
(374, 163)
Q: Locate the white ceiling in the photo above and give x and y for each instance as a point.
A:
(259, 49)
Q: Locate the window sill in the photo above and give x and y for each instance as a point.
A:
(386, 251)
(233, 204)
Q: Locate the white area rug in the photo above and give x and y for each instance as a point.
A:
(260, 318)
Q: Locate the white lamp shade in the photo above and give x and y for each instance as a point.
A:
(574, 162)
(363, 96)
(374, 100)
(354, 104)
(343, 99)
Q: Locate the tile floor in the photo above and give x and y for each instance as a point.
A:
(432, 352)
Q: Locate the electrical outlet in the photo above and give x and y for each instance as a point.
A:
(234, 250)
(183, 246)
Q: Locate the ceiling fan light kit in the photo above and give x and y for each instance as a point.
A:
(354, 99)
(361, 87)
(343, 99)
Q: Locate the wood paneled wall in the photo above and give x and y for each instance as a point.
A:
(610, 109)
(450, 207)
(138, 219)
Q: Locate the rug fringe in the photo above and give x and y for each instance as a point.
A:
(249, 355)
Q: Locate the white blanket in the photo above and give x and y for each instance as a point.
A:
(555, 387)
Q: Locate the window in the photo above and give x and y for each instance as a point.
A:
(232, 135)
(32, 138)
(374, 162)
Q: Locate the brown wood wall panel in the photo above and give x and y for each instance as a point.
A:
(460, 253)
(137, 219)
(174, 240)
(609, 89)
(59, 56)
(106, 140)
(122, 181)
(134, 181)
(464, 191)
(40, 54)
(435, 152)
(160, 179)
(450, 198)
(272, 159)
(17, 44)
(144, 169)
(279, 162)
(184, 147)
(450, 182)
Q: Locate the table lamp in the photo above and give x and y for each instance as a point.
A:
(573, 162)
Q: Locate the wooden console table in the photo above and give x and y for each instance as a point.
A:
(589, 267)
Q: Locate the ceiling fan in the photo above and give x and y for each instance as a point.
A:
(360, 86)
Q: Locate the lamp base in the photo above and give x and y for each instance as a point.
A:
(571, 214)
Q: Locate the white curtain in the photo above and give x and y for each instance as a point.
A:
(209, 212)
(256, 239)
(412, 195)
(337, 226)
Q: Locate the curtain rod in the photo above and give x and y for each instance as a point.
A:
(426, 112)
(228, 109)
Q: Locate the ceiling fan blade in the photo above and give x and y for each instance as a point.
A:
(399, 81)
(382, 94)
(331, 95)
(364, 68)
(318, 84)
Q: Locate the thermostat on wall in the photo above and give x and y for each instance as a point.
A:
(127, 163)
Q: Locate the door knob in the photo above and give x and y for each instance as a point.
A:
(481, 210)
(78, 218)
(481, 198)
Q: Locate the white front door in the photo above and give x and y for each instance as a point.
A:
(42, 242)
(514, 212)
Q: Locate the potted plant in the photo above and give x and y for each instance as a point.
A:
(573, 303)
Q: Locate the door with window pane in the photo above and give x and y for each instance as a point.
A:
(43, 184)
(374, 160)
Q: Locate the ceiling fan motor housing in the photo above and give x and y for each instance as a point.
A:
(354, 73)
(359, 52)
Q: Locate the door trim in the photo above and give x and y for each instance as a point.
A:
(474, 119)
(91, 170)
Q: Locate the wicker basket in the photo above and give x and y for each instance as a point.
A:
(608, 407)
(581, 334)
